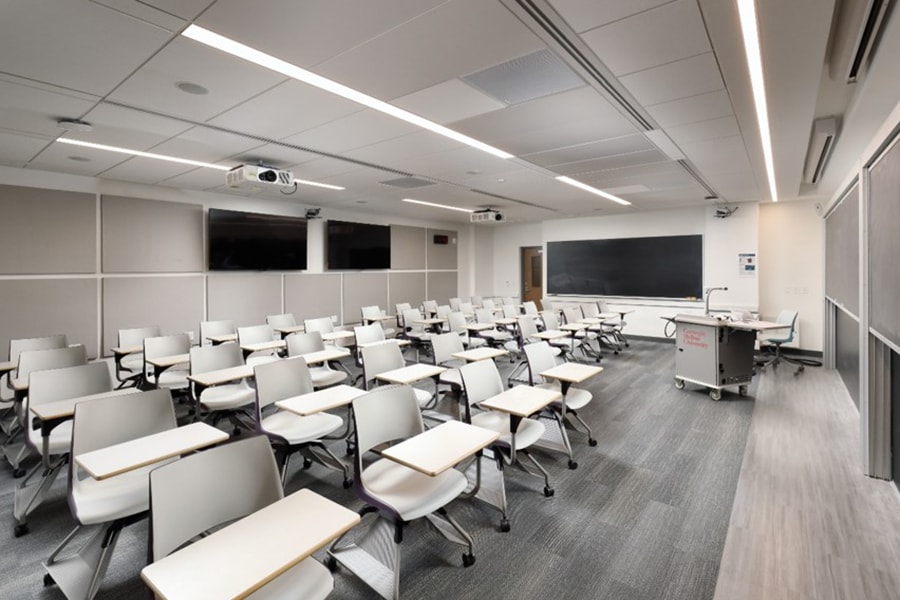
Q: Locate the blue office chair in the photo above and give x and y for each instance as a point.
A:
(786, 317)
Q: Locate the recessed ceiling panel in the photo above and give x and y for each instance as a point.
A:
(207, 145)
(679, 79)
(286, 109)
(149, 171)
(275, 155)
(449, 101)
(394, 152)
(16, 150)
(74, 159)
(33, 108)
(662, 35)
(197, 179)
(455, 164)
(692, 109)
(38, 40)
(454, 39)
(229, 81)
(583, 15)
(704, 130)
(525, 78)
(617, 161)
(186, 9)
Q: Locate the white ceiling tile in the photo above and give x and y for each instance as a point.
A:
(655, 37)
(618, 161)
(207, 145)
(196, 179)
(357, 130)
(230, 81)
(17, 149)
(149, 171)
(583, 15)
(394, 152)
(692, 109)
(185, 9)
(452, 100)
(56, 158)
(454, 164)
(37, 42)
(704, 130)
(309, 32)
(275, 155)
(592, 150)
(285, 110)
(142, 11)
(679, 79)
(454, 39)
(35, 109)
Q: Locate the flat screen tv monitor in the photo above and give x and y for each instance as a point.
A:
(357, 246)
(242, 241)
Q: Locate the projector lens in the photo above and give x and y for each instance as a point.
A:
(269, 176)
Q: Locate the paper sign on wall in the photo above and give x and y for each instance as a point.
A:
(747, 264)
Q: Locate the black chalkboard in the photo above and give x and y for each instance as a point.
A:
(651, 267)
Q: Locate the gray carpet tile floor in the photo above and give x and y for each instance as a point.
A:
(644, 516)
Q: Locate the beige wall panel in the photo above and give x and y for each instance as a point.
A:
(407, 247)
(173, 303)
(47, 231)
(406, 287)
(442, 285)
(245, 299)
(442, 256)
(363, 289)
(312, 295)
(150, 236)
(39, 307)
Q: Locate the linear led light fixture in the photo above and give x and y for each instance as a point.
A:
(327, 186)
(592, 190)
(229, 46)
(750, 31)
(436, 205)
(175, 159)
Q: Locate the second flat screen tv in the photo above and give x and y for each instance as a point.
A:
(241, 241)
(357, 246)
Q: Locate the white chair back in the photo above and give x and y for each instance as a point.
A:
(508, 301)
(135, 336)
(540, 358)
(530, 308)
(53, 358)
(48, 342)
(454, 304)
(283, 320)
(255, 334)
(573, 314)
(429, 307)
(280, 380)
(510, 311)
(476, 301)
(215, 328)
(443, 311)
(304, 343)
(380, 358)
(210, 488)
(383, 415)
(444, 346)
(527, 328)
(466, 308)
(366, 334)
(481, 380)
(69, 382)
(457, 322)
(590, 309)
(166, 345)
(320, 324)
(213, 358)
(484, 315)
(551, 321)
(370, 312)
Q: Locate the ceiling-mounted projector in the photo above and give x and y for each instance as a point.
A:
(488, 215)
(254, 177)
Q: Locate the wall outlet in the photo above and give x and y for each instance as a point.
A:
(334, 319)
(190, 335)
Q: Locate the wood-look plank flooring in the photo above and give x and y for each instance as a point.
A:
(806, 523)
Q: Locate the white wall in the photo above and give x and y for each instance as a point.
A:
(507, 276)
(791, 263)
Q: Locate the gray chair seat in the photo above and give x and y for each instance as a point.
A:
(224, 397)
(60, 438)
(409, 493)
(309, 580)
(297, 430)
(325, 376)
(451, 377)
(100, 501)
(575, 398)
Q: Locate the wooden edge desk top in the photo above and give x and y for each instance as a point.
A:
(381, 318)
(239, 559)
(320, 356)
(169, 361)
(479, 326)
(223, 338)
(434, 451)
(551, 334)
(125, 350)
(522, 400)
(506, 321)
(220, 376)
(273, 345)
(134, 454)
(573, 326)
(6, 367)
(61, 409)
(716, 322)
(572, 372)
(289, 329)
(321, 400)
(337, 335)
(410, 373)
(482, 353)
(398, 341)
(430, 321)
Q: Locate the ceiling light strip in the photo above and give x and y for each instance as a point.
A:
(229, 46)
(435, 205)
(174, 159)
(750, 32)
(593, 190)
(327, 186)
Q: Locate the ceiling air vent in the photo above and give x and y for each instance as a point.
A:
(407, 183)
(858, 24)
(525, 78)
(821, 142)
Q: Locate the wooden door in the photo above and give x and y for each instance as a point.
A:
(533, 275)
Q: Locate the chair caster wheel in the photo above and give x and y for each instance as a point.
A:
(573, 465)
(347, 483)
(509, 385)
(548, 491)
(615, 352)
(468, 559)
(307, 463)
(504, 525)
(20, 529)
(48, 580)
(17, 473)
(592, 442)
(330, 564)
